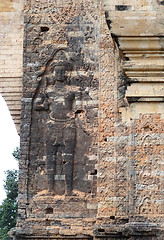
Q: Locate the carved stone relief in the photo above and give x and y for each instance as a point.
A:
(58, 104)
(62, 12)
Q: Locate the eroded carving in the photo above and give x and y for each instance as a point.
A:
(61, 102)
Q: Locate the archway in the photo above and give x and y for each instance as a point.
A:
(9, 140)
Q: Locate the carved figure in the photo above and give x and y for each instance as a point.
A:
(60, 101)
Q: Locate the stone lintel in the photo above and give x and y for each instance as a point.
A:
(143, 66)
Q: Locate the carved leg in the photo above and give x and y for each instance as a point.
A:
(68, 157)
(51, 164)
(68, 169)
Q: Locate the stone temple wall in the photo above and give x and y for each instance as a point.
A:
(11, 56)
(92, 121)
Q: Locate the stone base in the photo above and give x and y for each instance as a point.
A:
(51, 238)
(132, 231)
(16, 235)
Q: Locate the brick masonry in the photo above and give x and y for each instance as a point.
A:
(91, 134)
(11, 56)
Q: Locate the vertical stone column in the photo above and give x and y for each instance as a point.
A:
(136, 29)
(59, 137)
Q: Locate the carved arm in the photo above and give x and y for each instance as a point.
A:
(41, 102)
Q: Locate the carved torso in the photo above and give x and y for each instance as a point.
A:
(61, 102)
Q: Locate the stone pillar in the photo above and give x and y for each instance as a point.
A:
(136, 140)
(59, 137)
(92, 121)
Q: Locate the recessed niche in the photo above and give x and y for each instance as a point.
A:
(101, 230)
(49, 210)
(44, 29)
(94, 172)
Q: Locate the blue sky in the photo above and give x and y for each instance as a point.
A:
(9, 140)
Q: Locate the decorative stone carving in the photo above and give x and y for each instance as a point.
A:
(85, 166)
(62, 102)
(63, 11)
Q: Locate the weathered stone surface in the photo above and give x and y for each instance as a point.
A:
(92, 130)
(11, 56)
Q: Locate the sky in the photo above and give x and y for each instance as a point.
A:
(9, 140)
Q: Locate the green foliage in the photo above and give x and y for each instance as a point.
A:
(8, 208)
(11, 184)
(16, 153)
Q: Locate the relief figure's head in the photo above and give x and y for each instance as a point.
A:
(60, 67)
(59, 71)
